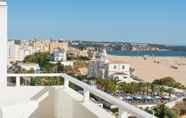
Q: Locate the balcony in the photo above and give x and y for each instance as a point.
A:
(59, 101)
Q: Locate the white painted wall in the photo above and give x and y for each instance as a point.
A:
(119, 68)
(46, 102)
(70, 104)
(3, 43)
(13, 95)
(26, 102)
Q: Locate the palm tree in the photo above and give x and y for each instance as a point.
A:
(141, 88)
(147, 87)
(170, 91)
(162, 89)
(154, 89)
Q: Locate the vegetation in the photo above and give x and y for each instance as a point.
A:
(132, 88)
(107, 85)
(82, 58)
(47, 81)
(161, 111)
(81, 77)
(180, 108)
(170, 82)
(41, 58)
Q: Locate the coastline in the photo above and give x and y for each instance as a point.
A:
(151, 68)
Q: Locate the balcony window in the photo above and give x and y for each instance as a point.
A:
(123, 67)
(115, 67)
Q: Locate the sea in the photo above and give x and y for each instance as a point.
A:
(148, 53)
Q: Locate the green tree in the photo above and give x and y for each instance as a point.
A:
(169, 81)
(60, 67)
(170, 91)
(41, 58)
(161, 111)
(47, 81)
(108, 85)
(147, 85)
(162, 90)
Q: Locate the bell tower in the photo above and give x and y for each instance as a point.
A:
(3, 43)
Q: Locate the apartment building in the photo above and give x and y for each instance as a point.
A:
(49, 45)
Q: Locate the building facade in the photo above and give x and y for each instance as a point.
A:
(118, 71)
(49, 45)
(102, 67)
(17, 52)
(59, 55)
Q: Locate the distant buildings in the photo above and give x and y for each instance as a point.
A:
(104, 68)
(76, 52)
(18, 50)
(59, 55)
(49, 45)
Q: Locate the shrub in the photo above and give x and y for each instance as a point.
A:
(168, 81)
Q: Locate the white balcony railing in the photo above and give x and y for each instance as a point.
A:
(124, 108)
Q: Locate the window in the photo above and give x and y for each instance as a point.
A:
(116, 78)
(123, 67)
(115, 66)
(124, 77)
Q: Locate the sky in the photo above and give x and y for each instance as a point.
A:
(148, 21)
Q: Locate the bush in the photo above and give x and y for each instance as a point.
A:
(184, 100)
(38, 81)
(161, 111)
(169, 81)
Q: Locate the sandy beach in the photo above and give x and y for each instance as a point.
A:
(153, 68)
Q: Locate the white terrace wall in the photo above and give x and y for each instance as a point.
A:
(19, 102)
(70, 104)
(46, 102)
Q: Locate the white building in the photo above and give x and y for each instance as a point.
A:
(13, 51)
(118, 71)
(17, 52)
(104, 68)
(59, 55)
(54, 101)
(29, 66)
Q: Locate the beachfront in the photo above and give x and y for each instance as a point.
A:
(151, 68)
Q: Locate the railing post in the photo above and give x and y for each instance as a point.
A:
(86, 95)
(66, 83)
(18, 81)
(122, 113)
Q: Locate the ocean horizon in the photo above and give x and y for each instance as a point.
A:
(148, 53)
